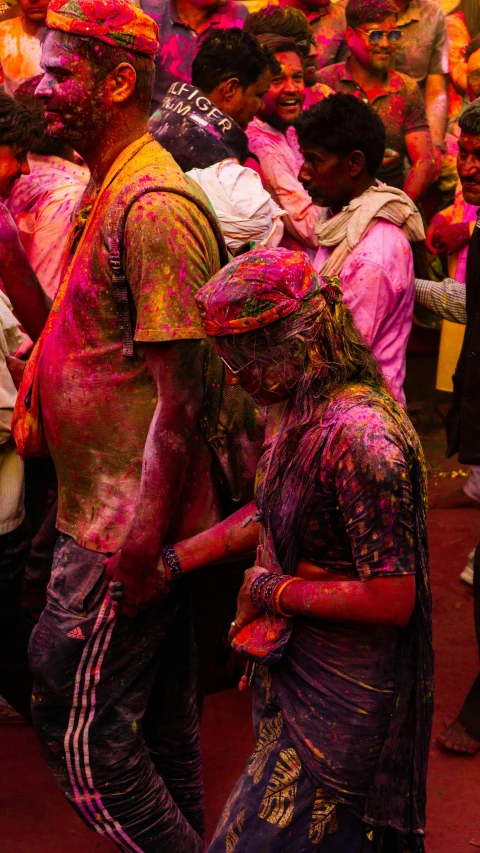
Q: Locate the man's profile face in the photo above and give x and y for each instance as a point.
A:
(324, 176)
(284, 99)
(248, 102)
(375, 57)
(13, 164)
(34, 10)
(74, 110)
(468, 166)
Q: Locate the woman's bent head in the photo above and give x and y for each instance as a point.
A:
(282, 330)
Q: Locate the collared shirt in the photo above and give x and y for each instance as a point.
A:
(446, 298)
(97, 405)
(281, 161)
(378, 287)
(328, 27)
(400, 106)
(20, 54)
(423, 48)
(179, 43)
(42, 204)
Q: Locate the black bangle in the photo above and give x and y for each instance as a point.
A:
(170, 556)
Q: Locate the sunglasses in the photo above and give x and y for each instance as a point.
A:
(304, 46)
(233, 379)
(376, 36)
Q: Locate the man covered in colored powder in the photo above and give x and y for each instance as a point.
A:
(327, 20)
(204, 123)
(365, 227)
(183, 25)
(273, 140)
(372, 36)
(114, 698)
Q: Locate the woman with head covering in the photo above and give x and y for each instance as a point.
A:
(336, 613)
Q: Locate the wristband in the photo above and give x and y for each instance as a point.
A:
(173, 563)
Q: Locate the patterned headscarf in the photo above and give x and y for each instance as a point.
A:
(116, 22)
(257, 289)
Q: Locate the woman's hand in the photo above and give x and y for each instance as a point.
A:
(246, 611)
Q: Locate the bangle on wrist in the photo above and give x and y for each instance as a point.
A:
(265, 592)
(173, 569)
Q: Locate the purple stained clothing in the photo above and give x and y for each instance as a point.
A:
(179, 43)
(423, 48)
(378, 285)
(328, 27)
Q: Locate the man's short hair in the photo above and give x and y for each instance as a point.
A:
(472, 47)
(341, 124)
(469, 121)
(229, 53)
(105, 57)
(281, 21)
(278, 44)
(17, 128)
(360, 12)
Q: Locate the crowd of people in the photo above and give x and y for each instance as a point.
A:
(215, 224)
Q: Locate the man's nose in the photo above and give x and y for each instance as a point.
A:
(290, 85)
(25, 167)
(469, 166)
(304, 175)
(43, 90)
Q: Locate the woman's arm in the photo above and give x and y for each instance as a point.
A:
(380, 601)
(229, 539)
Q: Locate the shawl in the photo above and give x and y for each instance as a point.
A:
(345, 230)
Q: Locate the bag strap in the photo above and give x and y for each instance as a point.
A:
(115, 243)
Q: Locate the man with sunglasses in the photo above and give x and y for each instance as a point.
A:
(422, 53)
(372, 36)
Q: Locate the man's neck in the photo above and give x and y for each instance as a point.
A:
(362, 186)
(31, 28)
(191, 15)
(367, 78)
(109, 145)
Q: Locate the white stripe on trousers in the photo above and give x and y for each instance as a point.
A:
(76, 745)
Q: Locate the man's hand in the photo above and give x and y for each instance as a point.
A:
(444, 237)
(143, 585)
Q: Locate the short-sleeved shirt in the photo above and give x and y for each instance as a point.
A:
(423, 48)
(97, 405)
(179, 43)
(20, 54)
(401, 108)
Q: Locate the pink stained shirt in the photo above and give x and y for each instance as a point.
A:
(378, 285)
(281, 161)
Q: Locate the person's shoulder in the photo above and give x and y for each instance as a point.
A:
(385, 246)
(157, 9)
(12, 26)
(430, 9)
(337, 12)
(401, 81)
(332, 73)
(361, 420)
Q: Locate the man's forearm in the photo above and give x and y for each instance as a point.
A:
(445, 298)
(436, 104)
(419, 179)
(30, 302)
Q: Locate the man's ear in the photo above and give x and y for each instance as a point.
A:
(349, 34)
(229, 88)
(120, 83)
(356, 163)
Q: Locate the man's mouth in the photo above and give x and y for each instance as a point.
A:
(289, 103)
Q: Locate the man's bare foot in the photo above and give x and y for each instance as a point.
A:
(455, 739)
(454, 500)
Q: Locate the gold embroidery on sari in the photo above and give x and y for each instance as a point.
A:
(234, 831)
(324, 817)
(279, 799)
(266, 677)
(269, 733)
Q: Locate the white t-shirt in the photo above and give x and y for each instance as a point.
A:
(19, 54)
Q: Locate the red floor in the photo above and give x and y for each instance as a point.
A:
(35, 819)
